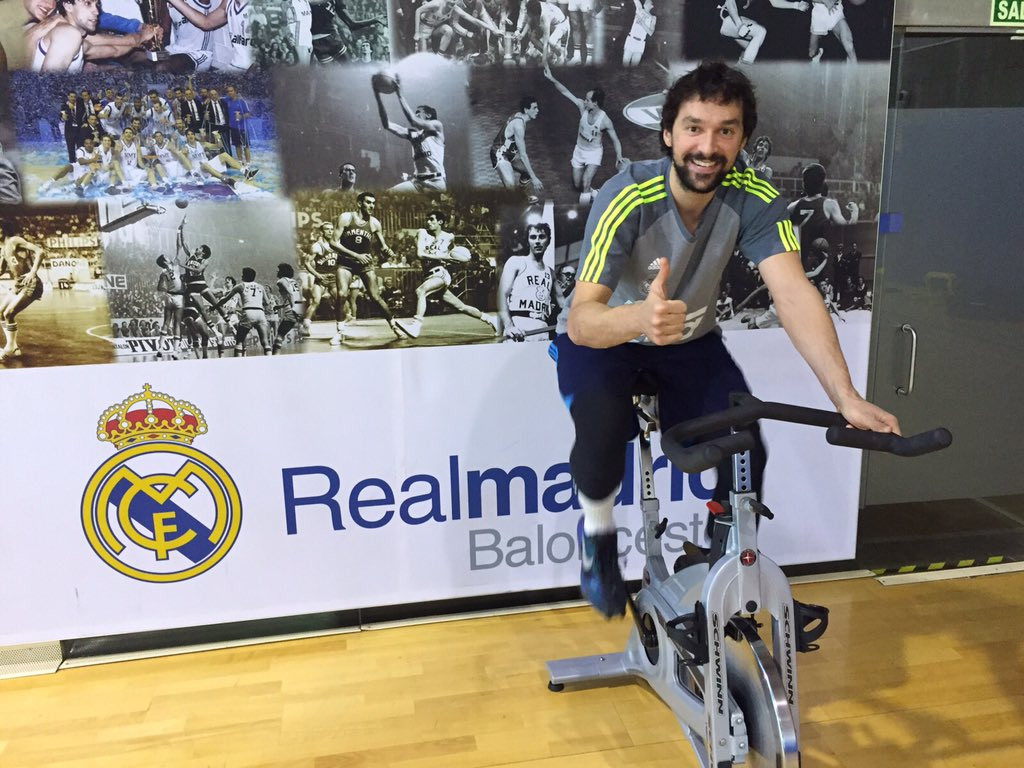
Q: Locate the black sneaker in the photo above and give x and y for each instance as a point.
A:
(600, 578)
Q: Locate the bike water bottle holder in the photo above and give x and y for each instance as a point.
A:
(689, 632)
(806, 616)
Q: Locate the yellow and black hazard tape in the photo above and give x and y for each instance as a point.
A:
(942, 566)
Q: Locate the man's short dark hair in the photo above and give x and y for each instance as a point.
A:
(248, 274)
(597, 96)
(439, 215)
(285, 270)
(543, 226)
(814, 180)
(363, 195)
(431, 112)
(716, 82)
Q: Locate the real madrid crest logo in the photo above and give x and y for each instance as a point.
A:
(159, 510)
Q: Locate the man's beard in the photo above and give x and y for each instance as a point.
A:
(689, 182)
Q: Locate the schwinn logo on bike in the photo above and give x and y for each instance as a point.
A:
(716, 650)
(159, 510)
(787, 634)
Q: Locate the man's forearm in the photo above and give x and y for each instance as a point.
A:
(803, 315)
(595, 324)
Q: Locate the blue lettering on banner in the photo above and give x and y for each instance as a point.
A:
(488, 550)
(371, 502)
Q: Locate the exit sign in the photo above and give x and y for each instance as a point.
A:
(1008, 13)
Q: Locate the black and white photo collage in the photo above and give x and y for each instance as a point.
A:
(202, 179)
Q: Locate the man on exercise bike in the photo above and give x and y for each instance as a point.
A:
(658, 238)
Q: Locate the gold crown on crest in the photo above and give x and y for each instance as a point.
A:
(149, 415)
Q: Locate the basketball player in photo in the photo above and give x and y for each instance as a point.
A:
(435, 247)
(348, 175)
(204, 160)
(827, 18)
(252, 311)
(322, 265)
(508, 150)
(527, 300)
(87, 163)
(198, 328)
(71, 38)
(169, 162)
(328, 38)
(108, 174)
(190, 48)
(425, 134)
(544, 31)
(129, 156)
(21, 260)
(292, 306)
(757, 157)
(195, 269)
(171, 286)
(432, 30)
(747, 33)
(111, 116)
(644, 23)
(235, 16)
(815, 210)
(589, 150)
(357, 231)
(300, 23)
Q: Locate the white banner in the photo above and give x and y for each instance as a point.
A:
(283, 486)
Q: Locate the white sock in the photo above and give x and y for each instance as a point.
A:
(597, 513)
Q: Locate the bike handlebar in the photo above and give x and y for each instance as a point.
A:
(678, 442)
(915, 445)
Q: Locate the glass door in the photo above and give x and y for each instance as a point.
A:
(948, 321)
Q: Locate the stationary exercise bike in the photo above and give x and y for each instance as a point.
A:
(695, 637)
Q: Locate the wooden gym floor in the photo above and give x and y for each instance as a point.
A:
(926, 674)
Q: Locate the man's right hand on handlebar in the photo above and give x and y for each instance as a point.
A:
(864, 415)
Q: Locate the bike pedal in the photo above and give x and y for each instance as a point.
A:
(690, 633)
(808, 631)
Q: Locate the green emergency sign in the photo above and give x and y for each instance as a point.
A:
(1009, 13)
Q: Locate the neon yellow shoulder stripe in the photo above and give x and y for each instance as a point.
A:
(787, 235)
(748, 181)
(616, 212)
(750, 178)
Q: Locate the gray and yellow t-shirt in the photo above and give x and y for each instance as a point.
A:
(634, 222)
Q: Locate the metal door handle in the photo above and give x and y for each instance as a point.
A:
(907, 328)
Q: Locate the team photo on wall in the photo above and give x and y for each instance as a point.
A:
(150, 138)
